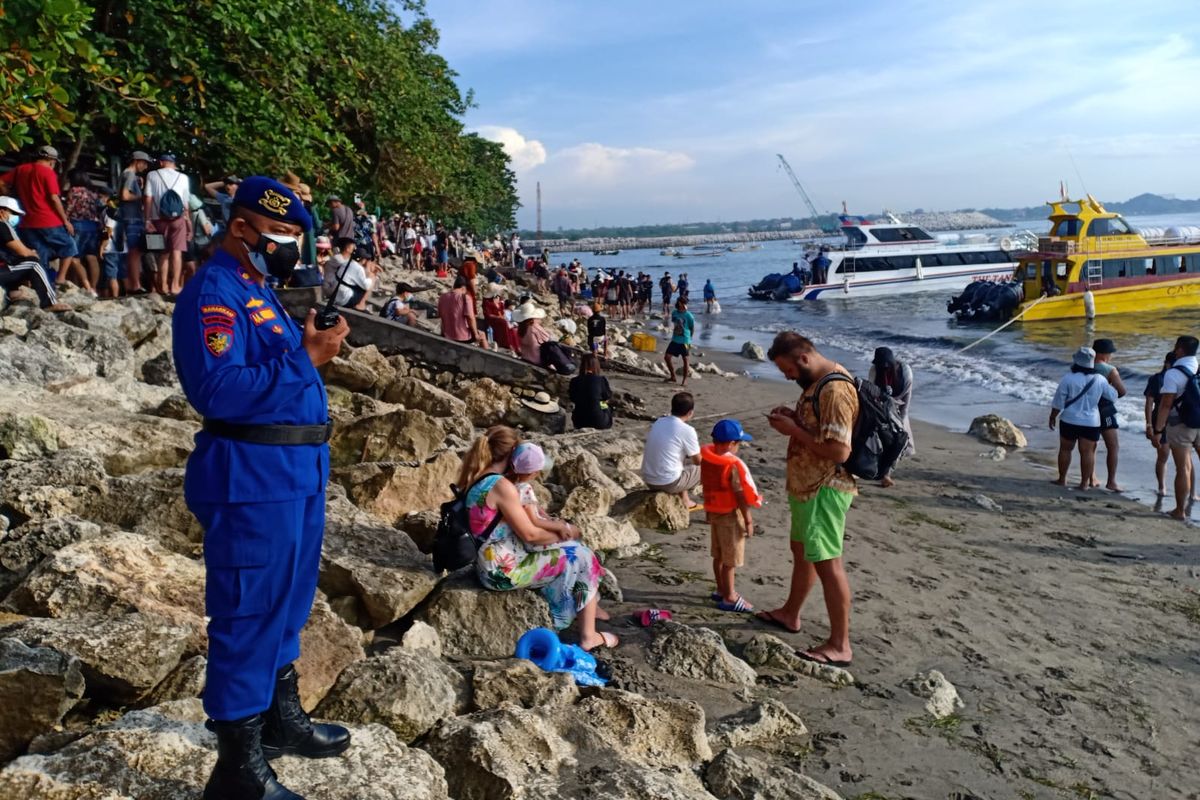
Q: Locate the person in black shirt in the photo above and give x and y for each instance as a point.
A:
(1153, 396)
(19, 263)
(597, 333)
(589, 393)
(667, 288)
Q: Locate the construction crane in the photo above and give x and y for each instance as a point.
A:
(799, 188)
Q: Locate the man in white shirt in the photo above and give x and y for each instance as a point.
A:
(355, 283)
(176, 229)
(1174, 409)
(671, 461)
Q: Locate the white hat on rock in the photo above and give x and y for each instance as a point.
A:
(541, 402)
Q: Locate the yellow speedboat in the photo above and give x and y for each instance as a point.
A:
(1093, 264)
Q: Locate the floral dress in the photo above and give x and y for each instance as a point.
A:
(568, 573)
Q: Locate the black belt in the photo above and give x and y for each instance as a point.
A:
(270, 434)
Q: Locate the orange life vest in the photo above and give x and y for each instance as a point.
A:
(716, 475)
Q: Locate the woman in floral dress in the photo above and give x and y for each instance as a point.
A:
(515, 553)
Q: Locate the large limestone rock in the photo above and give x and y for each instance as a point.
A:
(370, 357)
(753, 351)
(30, 363)
(624, 781)
(160, 370)
(96, 352)
(349, 375)
(152, 504)
(421, 527)
(659, 733)
(59, 486)
(122, 658)
(38, 686)
(25, 547)
(766, 721)
(476, 623)
(24, 437)
(606, 533)
(587, 501)
(660, 511)
(400, 435)
(734, 777)
(414, 393)
(997, 430)
(389, 491)
(327, 646)
(941, 697)
(697, 653)
(165, 753)
(114, 574)
(765, 650)
(527, 419)
(521, 683)
(408, 691)
(420, 636)
(581, 468)
(185, 681)
(378, 566)
(488, 403)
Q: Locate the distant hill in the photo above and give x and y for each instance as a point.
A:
(1145, 204)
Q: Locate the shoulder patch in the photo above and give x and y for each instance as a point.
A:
(254, 302)
(217, 340)
(263, 315)
(277, 329)
(215, 310)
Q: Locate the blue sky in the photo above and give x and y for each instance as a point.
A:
(643, 112)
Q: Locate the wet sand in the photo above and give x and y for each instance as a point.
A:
(1069, 622)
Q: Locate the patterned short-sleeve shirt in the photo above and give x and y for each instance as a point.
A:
(806, 471)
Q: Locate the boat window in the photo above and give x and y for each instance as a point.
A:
(1066, 227)
(1001, 257)
(1107, 227)
(891, 235)
(1114, 268)
(854, 237)
(1061, 268)
(974, 258)
(1166, 265)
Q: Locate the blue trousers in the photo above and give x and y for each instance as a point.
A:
(261, 562)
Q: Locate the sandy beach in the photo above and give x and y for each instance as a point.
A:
(1069, 623)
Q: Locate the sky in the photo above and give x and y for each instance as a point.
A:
(656, 112)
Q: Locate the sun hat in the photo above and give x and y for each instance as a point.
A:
(323, 243)
(140, 155)
(528, 458)
(567, 325)
(1104, 346)
(730, 430)
(195, 203)
(527, 311)
(12, 205)
(541, 402)
(1085, 357)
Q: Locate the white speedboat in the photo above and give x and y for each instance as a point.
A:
(892, 257)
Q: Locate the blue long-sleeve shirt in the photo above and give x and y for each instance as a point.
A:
(240, 359)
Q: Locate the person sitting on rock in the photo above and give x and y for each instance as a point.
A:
(516, 553)
(671, 461)
(589, 392)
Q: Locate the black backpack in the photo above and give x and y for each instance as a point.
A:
(454, 546)
(879, 436)
(1188, 401)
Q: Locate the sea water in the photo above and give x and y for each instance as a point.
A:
(1014, 373)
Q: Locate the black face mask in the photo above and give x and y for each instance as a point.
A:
(274, 254)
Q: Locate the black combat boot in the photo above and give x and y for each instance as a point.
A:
(241, 772)
(287, 729)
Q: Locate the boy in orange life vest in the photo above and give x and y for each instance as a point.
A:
(729, 494)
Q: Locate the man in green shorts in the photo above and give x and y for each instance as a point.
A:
(819, 490)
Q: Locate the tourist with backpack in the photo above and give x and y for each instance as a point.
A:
(820, 432)
(1179, 418)
(1076, 411)
(895, 379)
(165, 203)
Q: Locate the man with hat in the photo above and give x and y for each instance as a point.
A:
(1076, 409)
(1108, 410)
(44, 226)
(256, 482)
(223, 191)
(131, 221)
(895, 379)
(18, 263)
(173, 223)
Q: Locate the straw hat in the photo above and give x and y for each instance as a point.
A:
(527, 311)
(541, 402)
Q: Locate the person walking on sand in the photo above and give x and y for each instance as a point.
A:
(683, 326)
(819, 488)
(895, 379)
(1108, 411)
(710, 296)
(729, 496)
(1077, 403)
(671, 459)
(1153, 395)
(667, 288)
(1179, 418)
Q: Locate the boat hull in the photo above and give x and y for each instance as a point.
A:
(857, 286)
(1163, 296)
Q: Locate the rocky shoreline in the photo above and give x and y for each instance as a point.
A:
(973, 573)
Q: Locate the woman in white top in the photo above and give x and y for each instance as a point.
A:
(1076, 407)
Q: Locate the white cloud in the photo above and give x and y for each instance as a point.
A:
(598, 163)
(525, 153)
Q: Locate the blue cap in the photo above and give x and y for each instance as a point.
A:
(168, 156)
(271, 199)
(730, 430)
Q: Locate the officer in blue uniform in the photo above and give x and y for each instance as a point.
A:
(256, 482)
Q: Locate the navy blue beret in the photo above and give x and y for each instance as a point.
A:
(271, 199)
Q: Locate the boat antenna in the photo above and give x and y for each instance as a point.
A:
(1075, 167)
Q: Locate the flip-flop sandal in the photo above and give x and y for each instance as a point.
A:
(740, 605)
(817, 658)
(694, 507)
(769, 618)
(716, 597)
(610, 640)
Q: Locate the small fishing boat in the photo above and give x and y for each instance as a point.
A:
(606, 252)
(668, 251)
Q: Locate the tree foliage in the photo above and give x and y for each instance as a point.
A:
(349, 94)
